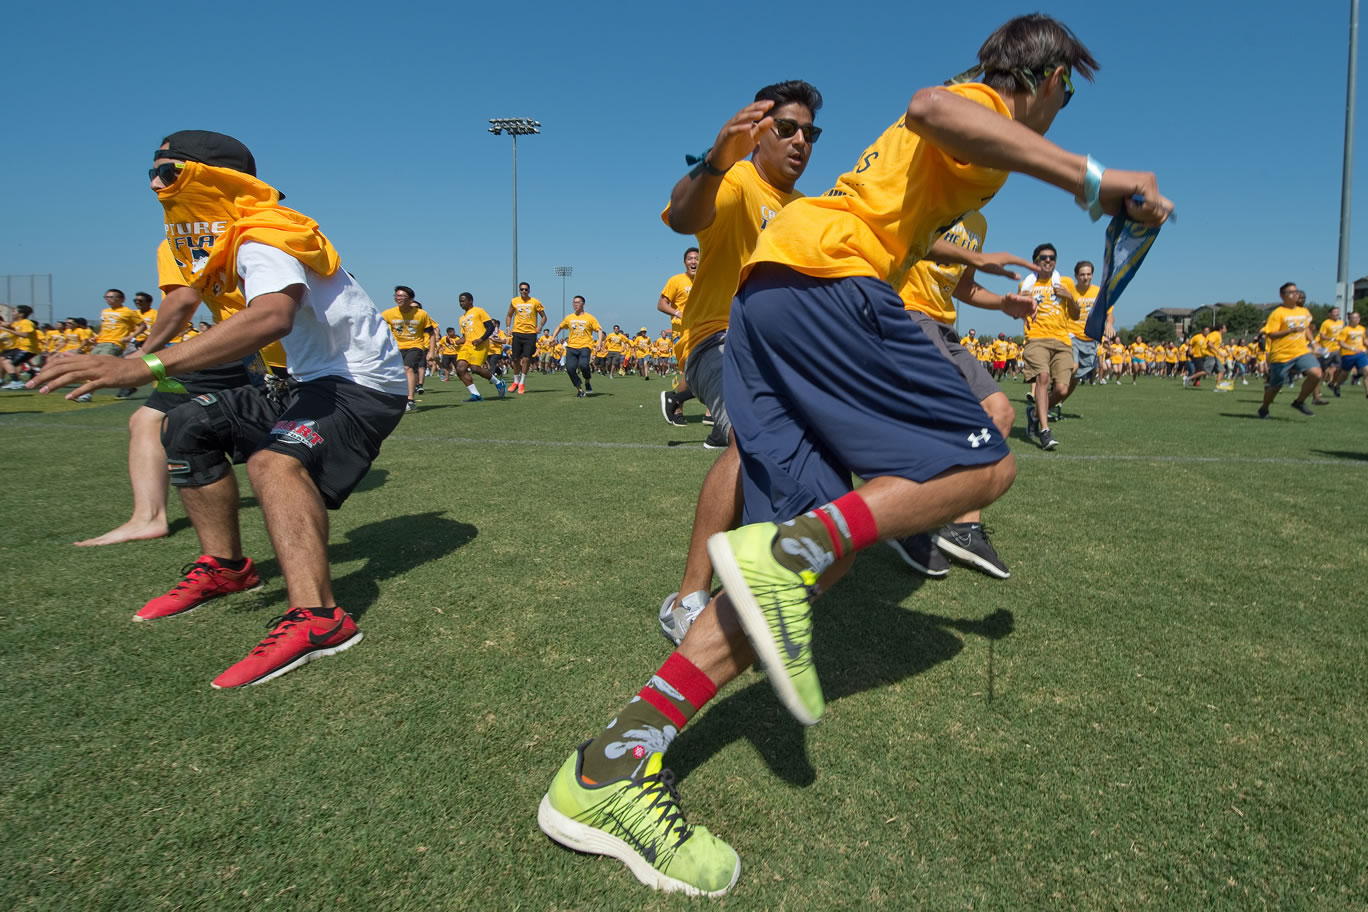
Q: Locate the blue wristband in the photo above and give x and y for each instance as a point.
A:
(1092, 188)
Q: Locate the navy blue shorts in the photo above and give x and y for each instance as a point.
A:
(891, 404)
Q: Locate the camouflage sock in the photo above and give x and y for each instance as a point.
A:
(820, 537)
(650, 722)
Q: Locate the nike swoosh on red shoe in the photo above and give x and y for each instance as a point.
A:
(323, 640)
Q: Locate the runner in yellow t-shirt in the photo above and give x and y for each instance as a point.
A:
(1327, 348)
(448, 345)
(583, 332)
(1289, 332)
(1080, 286)
(1049, 349)
(824, 278)
(416, 333)
(673, 297)
(1353, 352)
(477, 328)
(526, 317)
(119, 323)
(21, 346)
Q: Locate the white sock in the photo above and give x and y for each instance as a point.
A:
(473, 390)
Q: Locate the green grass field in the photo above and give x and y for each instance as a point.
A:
(1163, 708)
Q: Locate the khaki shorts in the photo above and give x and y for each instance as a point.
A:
(1049, 356)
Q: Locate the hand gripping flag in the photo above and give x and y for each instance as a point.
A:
(1128, 242)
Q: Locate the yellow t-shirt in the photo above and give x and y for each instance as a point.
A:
(1212, 345)
(24, 337)
(582, 328)
(543, 344)
(884, 214)
(1117, 352)
(1350, 339)
(1137, 351)
(525, 314)
(617, 342)
(641, 346)
(149, 318)
(558, 350)
(496, 342)
(745, 204)
(448, 345)
(676, 291)
(1086, 300)
(930, 286)
(472, 325)
(411, 329)
(1001, 349)
(1171, 355)
(1197, 345)
(1290, 346)
(53, 340)
(221, 305)
(1328, 337)
(118, 324)
(1052, 316)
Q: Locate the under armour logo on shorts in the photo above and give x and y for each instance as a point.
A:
(979, 439)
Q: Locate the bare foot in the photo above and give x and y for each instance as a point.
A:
(133, 530)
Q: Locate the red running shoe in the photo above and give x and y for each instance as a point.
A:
(299, 637)
(205, 578)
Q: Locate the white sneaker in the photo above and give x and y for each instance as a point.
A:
(677, 615)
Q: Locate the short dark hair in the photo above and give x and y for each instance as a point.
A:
(579, 298)
(451, 329)
(1035, 254)
(689, 251)
(24, 311)
(1032, 44)
(521, 284)
(466, 294)
(405, 289)
(790, 91)
(115, 291)
(1282, 289)
(1081, 263)
(142, 296)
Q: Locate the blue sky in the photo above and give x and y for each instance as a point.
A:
(373, 119)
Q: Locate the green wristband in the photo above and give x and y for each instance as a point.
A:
(165, 384)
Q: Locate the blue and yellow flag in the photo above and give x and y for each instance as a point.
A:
(1128, 242)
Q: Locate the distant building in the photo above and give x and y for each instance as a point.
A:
(1181, 317)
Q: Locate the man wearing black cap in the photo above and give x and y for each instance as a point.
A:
(306, 446)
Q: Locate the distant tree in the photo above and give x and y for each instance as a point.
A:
(1201, 317)
(1152, 330)
(1242, 318)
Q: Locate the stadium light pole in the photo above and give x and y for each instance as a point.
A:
(564, 272)
(515, 127)
(1344, 293)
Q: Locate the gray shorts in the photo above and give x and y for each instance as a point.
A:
(1278, 370)
(703, 374)
(981, 383)
(1085, 356)
(1207, 364)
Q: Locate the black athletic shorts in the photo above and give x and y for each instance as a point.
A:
(17, 356)
(449, 362)
(415, 358)
(334, 427)
(209, 380)
(524, 345)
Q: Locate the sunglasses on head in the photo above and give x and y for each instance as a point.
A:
(167, 171)
(785, 128)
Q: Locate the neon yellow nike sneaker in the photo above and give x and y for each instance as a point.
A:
(639, 822)
(774, 605)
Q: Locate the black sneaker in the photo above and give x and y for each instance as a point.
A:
(408, 406)
(1263, 411)
(418, 390)
(1047, 440)
(1335, 390)
(678, 420)
(587, 388)
(1057, 413)
(1301, 406)
(921, 554)
(1030, 421)
(668, 407)
(968, 543)
(715, 441)
(708, 419)
(579, 394)
(125, 393)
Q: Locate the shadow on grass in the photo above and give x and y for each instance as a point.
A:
(864, 638)
(390, 547)
(1344, 454)
(1251, 415)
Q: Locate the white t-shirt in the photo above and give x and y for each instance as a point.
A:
(337, 330)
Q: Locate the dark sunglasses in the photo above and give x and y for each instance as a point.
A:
(168, 172)
(1046, 256)
(785, 128)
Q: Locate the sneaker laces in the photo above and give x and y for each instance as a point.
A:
(282, 625)
(189, 571)
(663, 791)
